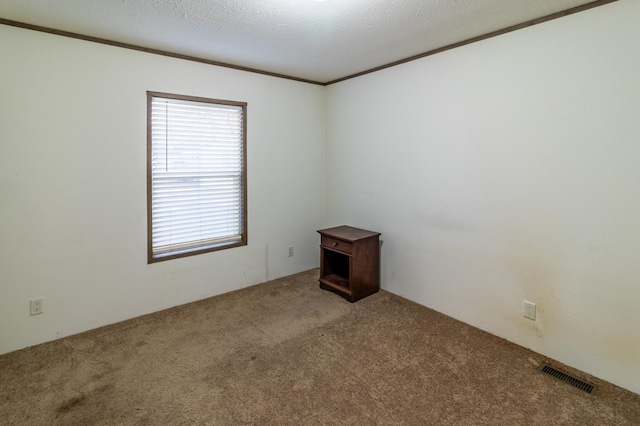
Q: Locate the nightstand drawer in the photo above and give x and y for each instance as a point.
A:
(334, 244)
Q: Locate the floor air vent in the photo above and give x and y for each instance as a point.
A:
(568, 379)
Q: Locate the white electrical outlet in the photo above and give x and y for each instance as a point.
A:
(290, 251)
(529, 309)
(36, 306)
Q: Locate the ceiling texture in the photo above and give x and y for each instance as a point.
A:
(309, 40)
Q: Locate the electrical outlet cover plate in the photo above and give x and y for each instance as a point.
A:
(529, 309)
(36, 306)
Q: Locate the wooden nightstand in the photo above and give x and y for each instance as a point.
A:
(349, 262)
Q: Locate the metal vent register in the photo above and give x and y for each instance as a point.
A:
(568, 378)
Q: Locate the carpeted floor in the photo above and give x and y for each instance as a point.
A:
(288, 353)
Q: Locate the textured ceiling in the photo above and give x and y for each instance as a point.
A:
(308, 39)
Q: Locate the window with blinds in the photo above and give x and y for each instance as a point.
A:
(196, 178)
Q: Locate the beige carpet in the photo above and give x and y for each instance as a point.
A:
(288, 353)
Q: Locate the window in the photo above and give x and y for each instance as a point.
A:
(196, 175)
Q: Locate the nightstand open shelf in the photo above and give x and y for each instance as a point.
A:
(350, 262)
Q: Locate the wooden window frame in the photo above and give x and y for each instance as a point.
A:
(153, 258)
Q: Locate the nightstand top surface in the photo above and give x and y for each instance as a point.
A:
(348, 233)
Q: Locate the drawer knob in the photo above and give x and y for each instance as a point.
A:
(335, 244)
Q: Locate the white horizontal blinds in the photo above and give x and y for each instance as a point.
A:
(196, 168)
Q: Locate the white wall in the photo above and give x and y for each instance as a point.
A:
(507, 170)
(500, 171)
(73, 184)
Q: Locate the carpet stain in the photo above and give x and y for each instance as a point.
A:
(71, 403)
(80, 401)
